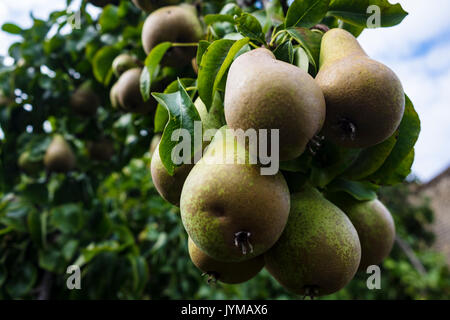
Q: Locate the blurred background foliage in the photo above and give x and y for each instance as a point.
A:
(107, 216)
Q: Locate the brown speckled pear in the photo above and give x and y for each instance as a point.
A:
(84, 101)
(375, 227)
(59, 156)
(129, 93)
(265, 93)
(169, 187)
(177, 24)
(319, 251)
(124, 62)
(151, 5)
(225, 272)
(365, 99)
(231, 211)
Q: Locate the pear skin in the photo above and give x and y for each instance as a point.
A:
(319, 251)
(225, 272)
(364, 98)
(231, 211)
(265, 93)
(59, 156)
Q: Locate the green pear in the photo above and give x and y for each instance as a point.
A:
(151, 5)
(84, 101)
(226, 272)
(154, 143)
(231, 211)
(375, 227)
(177, 24)
(124, 62)
(319, 250)
(129, 94)
(265, 93)
(168, 186)
(59, 157)
(365, 99)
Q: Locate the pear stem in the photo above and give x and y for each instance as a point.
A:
(191, 88)
(275, 37)
(242, 241)
(212, 277)
(185, 44)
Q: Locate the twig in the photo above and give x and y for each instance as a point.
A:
(411, 255)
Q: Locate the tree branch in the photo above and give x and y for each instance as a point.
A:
(411, 255)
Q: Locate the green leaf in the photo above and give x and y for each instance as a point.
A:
(301, 59)
(161, 114)
(215, 63)
(402, 171)
(309, 41)
(182, 114)
(22, 280)
(51, 260)
(306, 13)
(35, 227)
(213, 18)
(285, 52)
(67, 218)
(409, 130)
(109, 18)
(12, 28)
(250, 27)
(363, 191)
(151, 65)
(139, 271)
(353, 29)
(371, 159)
(356, 12)
(202, 46)
(102, 63)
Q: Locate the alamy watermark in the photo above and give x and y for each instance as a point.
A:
(254, 152)
(374, 21)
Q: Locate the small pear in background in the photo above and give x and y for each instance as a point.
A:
(59, 157)
(365, 99)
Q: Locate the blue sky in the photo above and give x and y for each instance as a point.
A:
(418, 50)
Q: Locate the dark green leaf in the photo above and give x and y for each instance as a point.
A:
(68, 218)
(310, 41)
(306, 13)
(250, 27)
(363, 191)
(285, 52)
(213, 18)
(102, 63)
(151, 65)
(11, 28)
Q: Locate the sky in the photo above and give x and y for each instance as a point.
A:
(418, 50)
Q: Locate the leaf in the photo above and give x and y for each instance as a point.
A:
(363, 191)
(182, 114)
(22, 280)
(371, 159)
(202, 46)
(102, 63)
(285, 52)
(309, 41)
(250, 27)
(139, 272)
(161, 115)
(151, 65)
(306, 13)
(409, 130)
(356, 12)
(35, 227)
(67, 218)
(301, 59)
(402, 171)
(215, 63)
(213, 18)
(353, 29)
(109, 18)
(12, 28)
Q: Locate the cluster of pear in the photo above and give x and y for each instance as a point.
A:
(240, 221)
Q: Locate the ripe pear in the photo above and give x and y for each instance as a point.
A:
(113, 97)
(169, 187)
(375, 227)
(226, 272)
(319, 250)
(84, 101)
(129, 93)
(175, 24)
(265, 93)
(59, 157)
(101, 149)
(124, 62)
(150, 5)
(231, 211)
(365, 99)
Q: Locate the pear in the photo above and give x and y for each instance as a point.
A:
(154, 143)
(365, 99)
(226, 272)
(169, 187)
(84, 101)
(129, 93)
(175, 24)
(59, 157)
(265, 93)
(231, 211)
(319, 250)
(113, 97)
(124, 62)
(150, 5)
(375, 227)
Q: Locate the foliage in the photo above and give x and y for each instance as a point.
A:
(107, 216)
